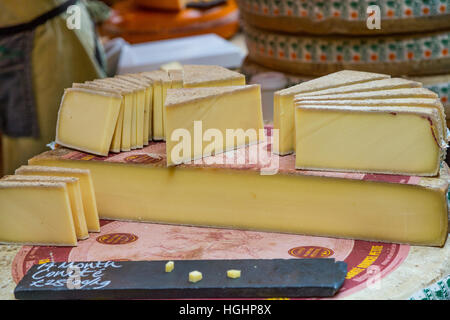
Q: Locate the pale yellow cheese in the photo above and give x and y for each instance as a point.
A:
(233, 274)
(283, 109)
(301, 204)
(195, 276)
(75, 197)
(86, 187)
(169, 266)
(127, 95)
(392, 140)
(87, 120)
(36, 213)
(432, 103)
(376, 85)
(161, 82)
(224, 109)
(416, 93)
(210, 76)
(116, 143)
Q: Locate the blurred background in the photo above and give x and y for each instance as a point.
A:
(47, 45)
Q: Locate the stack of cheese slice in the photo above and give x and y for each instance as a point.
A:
(205, 121)
(47, 206)
(127, 111)
(362, 122)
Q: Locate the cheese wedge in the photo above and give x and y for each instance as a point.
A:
(376, 85)
(401, 102)
(161, 82)
(87, 120)
(357, 206)
(75, 197)
(391, 140)
(128, 96)
(36, 213)
(226, 110)
(116, 143)
(86, 186)
(211, 76)
(283, 109)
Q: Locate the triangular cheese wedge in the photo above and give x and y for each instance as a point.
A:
(211, 76)
(284, 102)
(222, 111)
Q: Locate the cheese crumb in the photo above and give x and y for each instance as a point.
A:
(234, 274)
(170, 266)
(195, 276)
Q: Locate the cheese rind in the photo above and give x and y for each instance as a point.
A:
(284, 107)
(211, 76)
(75, 197)
(86, 187)
(36, 213)
(87, 120)
(211, 110)
(391, 140)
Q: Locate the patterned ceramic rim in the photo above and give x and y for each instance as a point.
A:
(347, 10)
(326, 50)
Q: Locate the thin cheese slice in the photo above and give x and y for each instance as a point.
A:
(128, 96)
(116, 143)
(391, 140)
(75, 197)
(161, 82)
(284, 103)
(87, 120)
(211, 76)
(148, 131)
(401, 102)
(376, 85)
(36, 213)
(225, 108)
(86, 186)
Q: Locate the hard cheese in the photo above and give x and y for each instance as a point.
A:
(283, 109)
(357, 206)
(75, 197)
(210, 76)
(391, 140)
(86, 187)
(36, 212)
(87, 120)
(376, 85)
(222, 112)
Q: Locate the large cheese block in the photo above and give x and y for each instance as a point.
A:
(86, 188)
(419, 54)
(87, 120)
(36, 213)
(284, 102)
(346, 16)
(75, 197)
(232, 115)
(137, 185)
(390, 140)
